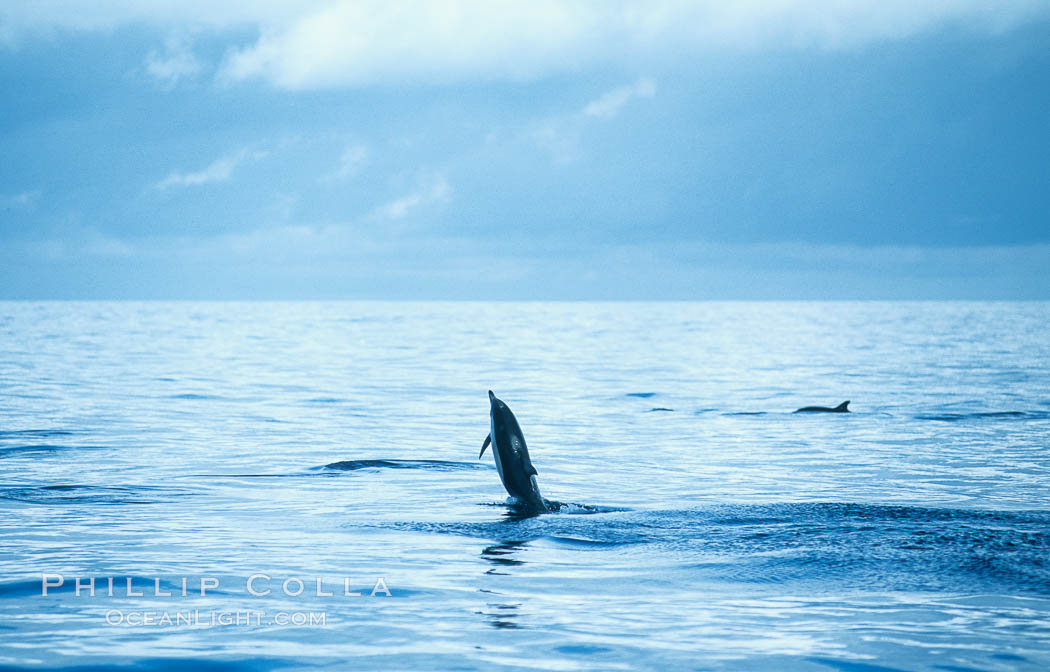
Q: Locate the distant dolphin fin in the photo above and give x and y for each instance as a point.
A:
(488, 440)
(841, 408)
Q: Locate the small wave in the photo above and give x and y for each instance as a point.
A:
(746, 413)
(436, 465)
(571, 524)
(27, 588)
(161, 664)
(573, 509)
(581, 649)
(302, 475)
(13, 451)
(325, 400)
(515, 532)
(516, 511)
(854, 666)
(985, 415)
(580, 541)
(84, 494)
(811, 544)
(660, 408)
(899, 547)
(193, 396)
(34, 433)
(641, 395)
(34, 448)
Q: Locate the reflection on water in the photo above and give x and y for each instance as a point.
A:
(502, 615)
(501, 555)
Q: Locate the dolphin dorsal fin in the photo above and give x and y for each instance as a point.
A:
(488, 440)
(841, 408)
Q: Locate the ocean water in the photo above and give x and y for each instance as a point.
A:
(210, 442)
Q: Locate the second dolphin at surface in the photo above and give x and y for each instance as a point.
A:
(841, 408)
(512, 457)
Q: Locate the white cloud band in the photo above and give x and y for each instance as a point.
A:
(361, 42)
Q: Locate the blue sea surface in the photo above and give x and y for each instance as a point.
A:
(701, 525)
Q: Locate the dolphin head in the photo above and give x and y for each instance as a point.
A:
(498, 410)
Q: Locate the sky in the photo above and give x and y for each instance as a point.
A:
(468, 149)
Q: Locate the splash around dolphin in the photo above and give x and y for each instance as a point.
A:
(512, 457)
(841, 408)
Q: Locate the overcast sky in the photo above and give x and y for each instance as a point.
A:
(533, 150)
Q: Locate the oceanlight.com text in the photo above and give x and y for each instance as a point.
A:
(196, 618)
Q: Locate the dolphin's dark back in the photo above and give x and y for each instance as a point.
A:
(511, 439)
(841, 408)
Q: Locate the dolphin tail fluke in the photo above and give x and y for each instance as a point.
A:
(841, 408)
(488, 440)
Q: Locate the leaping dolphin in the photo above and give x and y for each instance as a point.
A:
(512, 456)
(841, 408)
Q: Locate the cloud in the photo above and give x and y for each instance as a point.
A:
(558, 136)
(177, 62)
(364, 43)
(434, 191)
(22, 18)
(218, 170)
(609, 104)
(21, 200)
(350, 161)
(77, 243)
(326, 43)
(100, 245)
(561, 135)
